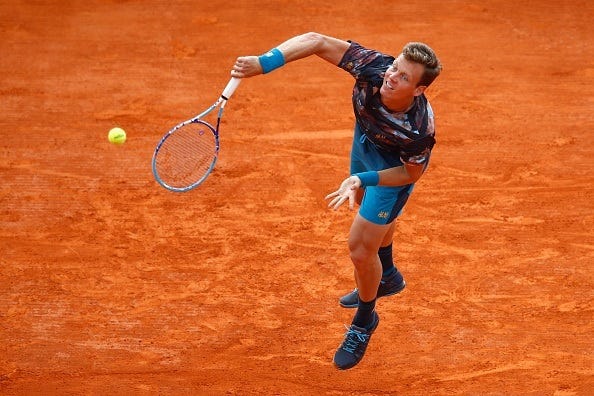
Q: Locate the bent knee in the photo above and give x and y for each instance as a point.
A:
(360, 256)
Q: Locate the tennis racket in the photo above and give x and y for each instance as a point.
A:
(187, 154)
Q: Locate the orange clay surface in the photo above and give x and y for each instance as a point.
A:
(110, 284)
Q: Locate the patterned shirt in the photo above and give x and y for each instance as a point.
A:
(408, 134)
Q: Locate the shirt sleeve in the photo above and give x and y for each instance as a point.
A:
(364, 63)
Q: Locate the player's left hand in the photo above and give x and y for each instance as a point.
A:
(348, 190)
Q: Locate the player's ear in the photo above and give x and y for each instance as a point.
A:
(420, 89)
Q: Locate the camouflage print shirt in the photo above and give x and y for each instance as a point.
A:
(408, 134)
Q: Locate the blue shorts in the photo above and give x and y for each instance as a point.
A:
(380, 205)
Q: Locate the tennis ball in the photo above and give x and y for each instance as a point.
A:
(116, 136)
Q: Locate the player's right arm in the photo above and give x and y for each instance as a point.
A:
(328, 48)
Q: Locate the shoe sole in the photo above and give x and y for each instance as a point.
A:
(383, 295)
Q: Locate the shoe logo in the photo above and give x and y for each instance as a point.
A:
(383, 214)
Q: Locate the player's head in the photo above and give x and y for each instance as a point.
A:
(422, 54)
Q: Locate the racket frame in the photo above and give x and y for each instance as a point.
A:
(221, 102)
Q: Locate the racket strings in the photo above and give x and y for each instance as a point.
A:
(187, 155)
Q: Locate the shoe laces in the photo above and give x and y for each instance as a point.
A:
(352, 339)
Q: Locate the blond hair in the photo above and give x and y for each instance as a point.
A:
(423, 54)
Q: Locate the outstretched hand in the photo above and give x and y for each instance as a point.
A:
(348, 190)
(246, 66)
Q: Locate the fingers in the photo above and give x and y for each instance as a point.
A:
(339, 197)
(331, 195)
(246, 66)
(337, 202)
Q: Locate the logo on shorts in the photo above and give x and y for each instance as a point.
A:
(383, 214)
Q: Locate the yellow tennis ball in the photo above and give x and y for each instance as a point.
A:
(116, 136)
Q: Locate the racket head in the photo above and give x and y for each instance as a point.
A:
(186, 155)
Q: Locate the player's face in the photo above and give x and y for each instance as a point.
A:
(401, 79)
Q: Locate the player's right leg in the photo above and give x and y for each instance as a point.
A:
(365, 238)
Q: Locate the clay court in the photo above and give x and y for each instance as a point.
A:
(112, 285)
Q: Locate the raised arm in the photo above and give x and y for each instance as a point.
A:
(328, 48)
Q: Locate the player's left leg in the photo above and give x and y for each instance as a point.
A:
(382, 205)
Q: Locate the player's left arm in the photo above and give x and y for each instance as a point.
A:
(402, 175)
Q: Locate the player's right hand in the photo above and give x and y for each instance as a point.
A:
(246, 66)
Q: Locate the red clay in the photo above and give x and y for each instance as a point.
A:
(113, 285)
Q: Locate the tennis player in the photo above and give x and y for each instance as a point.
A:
(393, 138)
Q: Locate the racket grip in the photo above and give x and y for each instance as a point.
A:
(231, 87)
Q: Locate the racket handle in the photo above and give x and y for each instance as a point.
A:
(231, 87)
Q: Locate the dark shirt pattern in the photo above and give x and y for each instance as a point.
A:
(409, 134)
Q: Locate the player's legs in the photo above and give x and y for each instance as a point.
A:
(372, 227)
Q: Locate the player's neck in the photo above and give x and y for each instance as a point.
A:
(399, 106)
